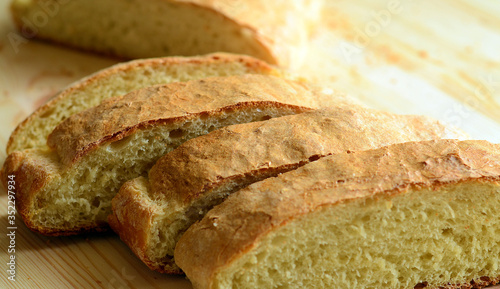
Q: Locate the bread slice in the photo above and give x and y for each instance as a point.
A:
(274, 31)
(150, 214)
(411, 215)
(68, 188)
(121, 79)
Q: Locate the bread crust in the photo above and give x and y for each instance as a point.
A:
(254, 66)
(253, 150)
(80, 133)
(253, 212)
(139, 213)
(146, 108)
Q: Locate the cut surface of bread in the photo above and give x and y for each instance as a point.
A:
(150, 214)
(411, 215)
(275, 31)
(68, 188)
(124, 78)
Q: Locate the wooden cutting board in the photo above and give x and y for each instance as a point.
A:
(438, 58)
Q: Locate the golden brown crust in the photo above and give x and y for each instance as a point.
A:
(254, 151)
(203, 163)
(136, 218)
(254, 66)
(118, 117)
(253, 212)
(139, 215)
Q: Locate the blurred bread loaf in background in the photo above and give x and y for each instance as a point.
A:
(275, 31)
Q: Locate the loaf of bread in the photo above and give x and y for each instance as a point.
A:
(275, 31)
(150, 214)
(68, 188)
(121, 79)
(411, 215)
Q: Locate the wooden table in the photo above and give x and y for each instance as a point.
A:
(438, 58)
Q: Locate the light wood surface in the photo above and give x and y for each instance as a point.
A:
(438, 58)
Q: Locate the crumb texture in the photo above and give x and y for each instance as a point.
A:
(393, 217)
(423, 236)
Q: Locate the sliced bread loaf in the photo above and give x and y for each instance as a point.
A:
(412, 215)
(275, 31)
(150, 214)
(121, 79)
(68, 188)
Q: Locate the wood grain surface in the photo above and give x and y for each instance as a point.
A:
(438, 58)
